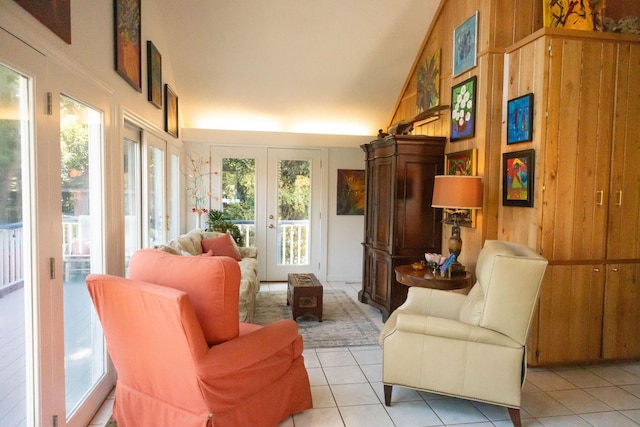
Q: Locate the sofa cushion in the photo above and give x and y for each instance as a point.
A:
(212, 283)
(221, 246)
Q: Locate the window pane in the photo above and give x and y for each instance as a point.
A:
(239, 195)
(80, 147)
(294, 203)
(132, 199)
(14, 137)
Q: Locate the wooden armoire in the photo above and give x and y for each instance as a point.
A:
(586, 220)
(400, 224)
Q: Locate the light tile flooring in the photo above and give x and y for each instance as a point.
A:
(346, 384)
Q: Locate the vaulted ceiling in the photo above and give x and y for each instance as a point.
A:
(308, 66)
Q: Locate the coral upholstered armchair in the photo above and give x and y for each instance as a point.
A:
(168, 375)
(470, 346)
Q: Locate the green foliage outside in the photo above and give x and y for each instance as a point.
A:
(74, 134)
(294, 190)
(238, 188)
(10, 172)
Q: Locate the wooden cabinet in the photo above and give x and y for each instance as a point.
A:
(586, 220)
(400, 224)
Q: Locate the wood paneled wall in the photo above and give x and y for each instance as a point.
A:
(500, 24)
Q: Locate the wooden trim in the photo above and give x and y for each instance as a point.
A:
(594, 261)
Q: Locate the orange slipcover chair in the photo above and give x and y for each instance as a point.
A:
(169, 376)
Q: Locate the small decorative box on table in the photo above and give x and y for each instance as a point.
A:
(304, 295)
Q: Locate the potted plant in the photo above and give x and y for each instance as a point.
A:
(217, 221)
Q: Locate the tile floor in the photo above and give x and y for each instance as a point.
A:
(347, 391)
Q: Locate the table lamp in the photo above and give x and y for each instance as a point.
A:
(456, 194)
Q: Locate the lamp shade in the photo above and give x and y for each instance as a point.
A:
(456, 191)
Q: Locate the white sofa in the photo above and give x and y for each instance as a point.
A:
(190, 244)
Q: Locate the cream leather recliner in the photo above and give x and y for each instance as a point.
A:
(470, 346)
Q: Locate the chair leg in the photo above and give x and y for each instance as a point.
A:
(514, 414)
(387, 394)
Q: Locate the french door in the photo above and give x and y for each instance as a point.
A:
(51, 185)
(274, 196)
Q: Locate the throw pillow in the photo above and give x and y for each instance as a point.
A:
(208, 253)
(221, 246)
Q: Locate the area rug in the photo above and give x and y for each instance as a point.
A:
(343, 322)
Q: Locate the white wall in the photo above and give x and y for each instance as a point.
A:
(345, 232)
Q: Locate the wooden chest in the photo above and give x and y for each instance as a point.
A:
(304, 295)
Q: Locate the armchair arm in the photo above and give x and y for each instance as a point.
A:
(250, 349)
(451, 329)
(239, 368)
(433, 302)
(425, 302)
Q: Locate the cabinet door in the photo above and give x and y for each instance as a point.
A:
(576, 157)
(383, 202)
(624, 204)
(418, 226)
(570, 314)
(621, 331)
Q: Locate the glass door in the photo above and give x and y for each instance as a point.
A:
(17, 382)
(293, 213)
(81, 130)
(154, 185)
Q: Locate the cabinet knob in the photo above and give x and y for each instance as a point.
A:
(600, 196)
(596, 270)
(619, 198)
(614, 269)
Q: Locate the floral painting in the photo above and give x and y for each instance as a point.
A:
(463, 109)
(428, 83)
(350, 197)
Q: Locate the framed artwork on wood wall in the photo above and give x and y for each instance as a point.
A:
(465, 45)
(154, 75)
(463, 109)
(428, 82)
(518, 178)
(170, 111)
(520, 119)
(463, 163)
(128, 47)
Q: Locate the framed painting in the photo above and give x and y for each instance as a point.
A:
(463, 163)
(55, 15)
(518, 178)
(154, 75)
(170, 111)
(428, 82)
(465, 45)
(520, 119)
(463, 110)
(128, 47)
(350, 194)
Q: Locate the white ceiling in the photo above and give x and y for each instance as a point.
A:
(308, 66)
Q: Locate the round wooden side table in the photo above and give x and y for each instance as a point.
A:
(406, 275)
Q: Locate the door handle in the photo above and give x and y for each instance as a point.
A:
(270, 225)
(600, 195)
(270, 216)
(619, 196)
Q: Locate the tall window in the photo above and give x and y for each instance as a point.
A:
(81, 131)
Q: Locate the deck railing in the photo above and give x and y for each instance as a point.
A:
(11, 262)
(293, 246)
